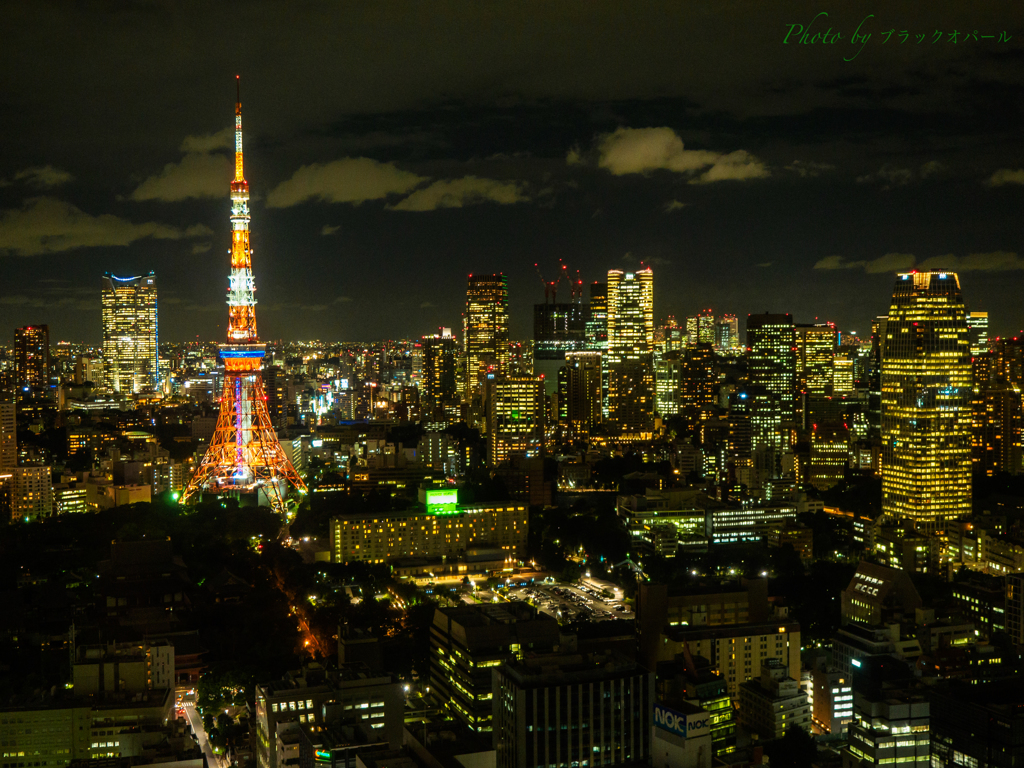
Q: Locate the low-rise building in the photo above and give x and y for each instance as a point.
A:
(314, 696)
(121, 667)
(682, 736)
(903, 547)
(982, 599)
(441, 528)
(877, 594)
(977, 725)
(31, 493)
(467, 642)
(748, 522)
(888, 728)
(773, 704)
(54, 730)
(571, 710)
(692, 680)
(737, 651)
(832, 700)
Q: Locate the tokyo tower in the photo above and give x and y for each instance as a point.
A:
(244, 454)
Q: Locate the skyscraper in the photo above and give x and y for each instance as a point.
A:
(485, 328)
(727, 333)
(597, 335)
(130, 361)
(32, 359)
(8, 438)
(700, 329)
(816, 349)
(630, 349)
(579, 393)
(977, 325)
(515, 417)
(668, 379)
(699, 386)
(926, 402)
(771, 358)
(437, 386)
(557, 329)
(996, 428)
(597, 320)
(830, 454)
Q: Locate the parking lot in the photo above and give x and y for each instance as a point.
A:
(572, 603)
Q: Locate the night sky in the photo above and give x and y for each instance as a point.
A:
(392, 148)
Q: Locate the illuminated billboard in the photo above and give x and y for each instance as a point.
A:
(687, 726)
(443, 501)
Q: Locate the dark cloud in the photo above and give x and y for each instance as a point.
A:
(45, 177)
(472, 137)
(48, 225)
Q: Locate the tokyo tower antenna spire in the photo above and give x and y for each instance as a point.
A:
(244, 454)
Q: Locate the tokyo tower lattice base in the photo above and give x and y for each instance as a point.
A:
(245, 455)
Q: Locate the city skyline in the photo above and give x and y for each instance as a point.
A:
(752, 175)
(634, 385)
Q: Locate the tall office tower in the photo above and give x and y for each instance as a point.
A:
(130, 362)
(830, 454)
(244, 456)
(771, 358)
(8, 438)
(670, 337)
(996, 428)
(926, 402)
(32, 359)
(977, 326)
(844, 373)
(815, 350)
(557, 329)
(727, 333)
(630, 348)
(756, 436)
(275, 382)
(874, 376)
(485, 329)
(668, 379)
(699, 385)
(597, 321)
(1008, 360)
(515, 417)
(700, 329)
(579, 394)
(437, 384)
(520, 359)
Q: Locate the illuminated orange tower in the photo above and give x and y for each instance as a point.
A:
(244, 455)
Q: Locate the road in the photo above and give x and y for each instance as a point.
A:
(197, 728)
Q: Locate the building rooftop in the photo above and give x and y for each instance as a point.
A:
(683, 632)
(554, 669)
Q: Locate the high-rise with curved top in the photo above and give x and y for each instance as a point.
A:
(926, 402)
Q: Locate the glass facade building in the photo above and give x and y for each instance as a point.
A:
(926, 402)
(130, 362)
(630, 350)
(485, 337)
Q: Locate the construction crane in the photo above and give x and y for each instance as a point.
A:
(551, 286)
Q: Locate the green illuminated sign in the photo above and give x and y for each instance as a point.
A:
(443, 501)
(442, 497)
(322, 755)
